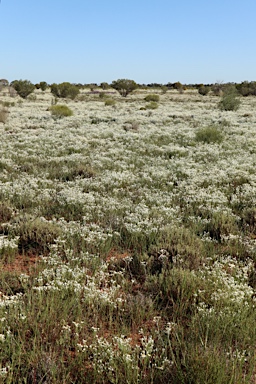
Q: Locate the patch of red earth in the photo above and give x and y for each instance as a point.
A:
(22, 264)
(116, 255)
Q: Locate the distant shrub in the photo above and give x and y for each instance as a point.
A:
(164, 89)
(104, 85)
(229, 101)
(43, 85)
(246, 88)
(204, 90)
(23, 87)
(59, 111)
(152, 105)
(152, 97)
(65, 90)
(110, 102)
(124, 86)
(217, 88)
(210, 134)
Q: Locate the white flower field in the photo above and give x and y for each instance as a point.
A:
(128, 240)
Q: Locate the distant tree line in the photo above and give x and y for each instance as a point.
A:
(126, 86)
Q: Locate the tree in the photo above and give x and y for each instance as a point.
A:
(23, 87)
(43, 85)
(64, 90)
(124, 86)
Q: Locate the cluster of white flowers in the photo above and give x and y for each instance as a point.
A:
(229, 289)
(10, 243)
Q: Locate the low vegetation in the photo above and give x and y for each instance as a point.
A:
(65, 90)
(230, 100)
(59, 111)
(127, 239)
(209, 134)
(152, 97)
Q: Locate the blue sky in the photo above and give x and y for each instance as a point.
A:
(199, 41)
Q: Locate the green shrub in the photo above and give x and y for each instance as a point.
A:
(59, 111)
(104, 85)
(110, 102)
(210, 134)
(64, 90)
(124, 86)
(229, 100)
(204, 90)
(23, 87)
(43, 85)
(152, 97)
(152, 105)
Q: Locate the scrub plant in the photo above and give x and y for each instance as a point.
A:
(230, 100)
(152, 97)
(209, 134)
(23, 87)
(110, 102)
(59, 111)
(151, 105)
(128, 255)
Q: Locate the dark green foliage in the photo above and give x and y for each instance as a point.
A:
(204, 90)
(65, 90)
(247, 88)
(23, 87)
(104, 85)
(178, 86)
(124, 86)
(43, 85)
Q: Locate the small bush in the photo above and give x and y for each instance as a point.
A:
(59, 111)
(208, 135)
(65, 90)
(152, 97)
(43, 85)
(152, 105)
(23, 87)
(204, 90)
(230, 100)
(110, 102)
